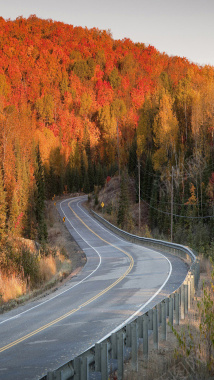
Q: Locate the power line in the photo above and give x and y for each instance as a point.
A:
(182, 175)
(176, 215)
(186, 174)
(175, 203)
(179, 216)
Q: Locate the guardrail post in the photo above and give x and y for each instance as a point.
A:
(192, 288)
(140, 326)
(120, 354)
(59, 375)
(145, 336)
(134, 332)
(185, 299)
(197, 273)
(159, 313)
(55, 375)
(50, 375)
(97, 357)
(177, 308)
(104, 361)
(77, 365)
(163, 311)
(189, 292)
(155, 327)
(150, 312)
(182, 301)
(179, 291)
(84, 368)
(128, 335)
(171, 310)
(174, 301)
(114, 346)
(167, 306)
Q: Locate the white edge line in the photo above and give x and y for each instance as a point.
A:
(150, 299)
(142, 306)
(66, 290)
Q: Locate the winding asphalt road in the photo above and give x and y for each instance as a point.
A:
(119, 280)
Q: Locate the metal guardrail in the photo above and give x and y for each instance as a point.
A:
(109, 354)
(165, 246)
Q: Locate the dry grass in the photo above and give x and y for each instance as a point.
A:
(11, 287)
(14, 285)
(47, 268)
(53, 266)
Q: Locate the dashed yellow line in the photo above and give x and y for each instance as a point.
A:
(14, 343)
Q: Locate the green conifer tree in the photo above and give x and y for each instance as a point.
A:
(51, 181)
(123, 210)
(76, 179)
(86, 184)
(91, 176)
(68, 177)
(132, 163)
(100, 175)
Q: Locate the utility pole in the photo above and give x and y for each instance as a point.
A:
(139, 223)
(172, 202)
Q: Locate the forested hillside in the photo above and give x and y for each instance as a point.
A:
(75, 104)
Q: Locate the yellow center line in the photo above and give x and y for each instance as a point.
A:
(4, 348)
(37, 331)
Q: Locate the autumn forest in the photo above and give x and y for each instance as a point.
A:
(77, 106)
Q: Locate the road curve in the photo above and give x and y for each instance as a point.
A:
(119, 280)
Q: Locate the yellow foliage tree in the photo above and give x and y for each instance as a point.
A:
(107, 123)
(145, 126)
(165, 133)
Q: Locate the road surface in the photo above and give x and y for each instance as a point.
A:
(119, 280)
